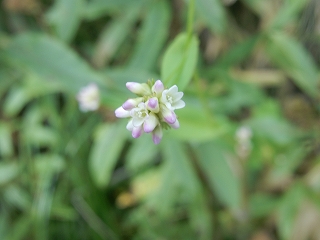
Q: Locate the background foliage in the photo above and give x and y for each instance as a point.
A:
(246, 66)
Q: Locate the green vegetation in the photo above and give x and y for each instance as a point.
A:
(245, 162)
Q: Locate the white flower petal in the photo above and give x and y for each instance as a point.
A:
(173, 90)
(177, 96)
(89, 98)
(150, 123)
(137, 122)
(130, 125)
(178, 105)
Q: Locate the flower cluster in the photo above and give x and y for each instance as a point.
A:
(152, 110)
(89, 98)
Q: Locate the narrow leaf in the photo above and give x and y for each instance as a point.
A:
(295, 60)
(153, 34)
(51, 60)
(65, 16)
(105, 152)
(213, 14)
(223, 181)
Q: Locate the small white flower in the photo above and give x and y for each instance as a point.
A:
(243, 134)
(141, 116)
(152, 110)
(172, 98)
(243, 145)
(89, 98)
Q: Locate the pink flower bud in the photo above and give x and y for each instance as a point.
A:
(175, 125)
(121, 113)
(157, 134)
(137, 131)
(131, 103)
(158, 87)
(138, 88)
(153, 104)
(168, 115)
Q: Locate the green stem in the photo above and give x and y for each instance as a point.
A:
(203, 98)
(190, 18)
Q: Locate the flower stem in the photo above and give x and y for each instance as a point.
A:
(202, 97)
(190, 18)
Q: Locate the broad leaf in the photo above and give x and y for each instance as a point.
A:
(179, 61)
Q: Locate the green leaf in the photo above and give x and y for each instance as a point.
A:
(290, 55)
(196, 125)
(136, 161)
(237, 53)
(8, 171)
(6, 144)
(215, 164)
(288, 209)
(51, 60)
(213, 14)
(42, 136)
(262, 204)
(46, 165)
(32, 87)
(65, 16)
(105, 152)
(153, 34)
(17, 196)
(15, 101)
(288, 12)
(176, 156)
(98, 8)
(274, 129)
(178, 180)
(21, 227)
(200, 217)
(260, 7)
(113, 36)
(179, 61)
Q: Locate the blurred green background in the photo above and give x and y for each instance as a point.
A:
(245, 162)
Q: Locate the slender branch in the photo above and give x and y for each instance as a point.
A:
(190, 18)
